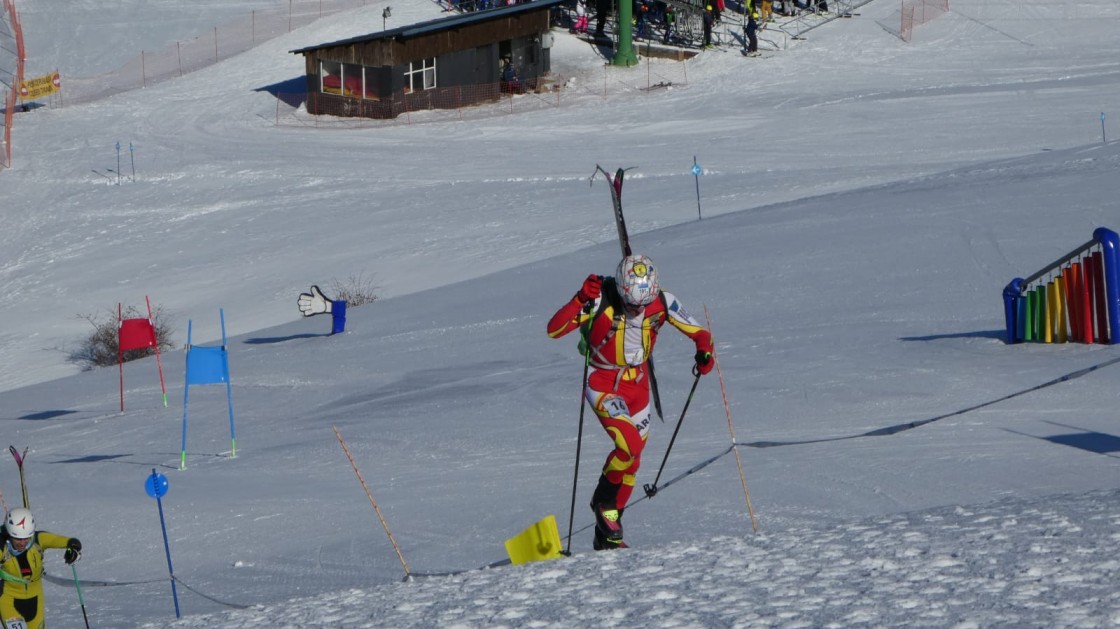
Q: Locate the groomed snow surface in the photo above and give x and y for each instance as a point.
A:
(864, 201)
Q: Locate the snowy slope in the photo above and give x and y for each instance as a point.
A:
(864, 203)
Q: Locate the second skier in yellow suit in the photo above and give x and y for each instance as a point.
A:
(21, 587)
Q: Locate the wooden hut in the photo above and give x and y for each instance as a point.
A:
(445, 63)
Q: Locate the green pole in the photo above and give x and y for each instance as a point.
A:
(625, 55)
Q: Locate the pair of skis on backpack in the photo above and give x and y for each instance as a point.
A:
(20, 458)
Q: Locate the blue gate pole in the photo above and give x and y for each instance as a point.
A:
(186, 399)
(157, 487)
(229, 386)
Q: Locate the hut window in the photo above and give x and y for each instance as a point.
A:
(330, 77)
(421, 75)
(352, 77)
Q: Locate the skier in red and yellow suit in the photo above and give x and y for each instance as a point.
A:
(622, 326)
(21, 568)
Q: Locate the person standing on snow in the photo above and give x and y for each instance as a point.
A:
(21, 568)
(751, 29)
(709, 20)
(621, 317)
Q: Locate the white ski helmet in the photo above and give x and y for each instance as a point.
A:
(637, 281)
(20, 524)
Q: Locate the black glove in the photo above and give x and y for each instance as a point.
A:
(73, 551)
(704, 362)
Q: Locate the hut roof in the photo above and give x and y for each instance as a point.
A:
(439, 24)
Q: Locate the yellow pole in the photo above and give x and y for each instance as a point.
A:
(1051, 312)
(1063, 309)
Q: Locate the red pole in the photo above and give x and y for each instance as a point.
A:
(1074, 289)
(1103, 333)
(1102, 316)
(120, 357)
(1069, 287)
(155, 338)
(1084, 309)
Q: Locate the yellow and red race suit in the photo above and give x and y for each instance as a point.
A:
(620, 341)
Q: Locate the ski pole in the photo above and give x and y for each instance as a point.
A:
(654, 391)
(651, 490)
(81, 599)
(579, 433)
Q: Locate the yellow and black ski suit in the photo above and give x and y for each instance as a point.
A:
(21, 587)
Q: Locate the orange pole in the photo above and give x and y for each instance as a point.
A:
(731, 428)
(1067, 291)
(376, 509)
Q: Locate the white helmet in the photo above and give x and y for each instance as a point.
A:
(20, 524)
(637, 281)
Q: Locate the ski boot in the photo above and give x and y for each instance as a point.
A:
(600, 543)
(608, 528)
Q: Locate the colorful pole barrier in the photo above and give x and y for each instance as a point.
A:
(1079, 301)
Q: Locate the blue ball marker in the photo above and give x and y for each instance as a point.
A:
(156, 486)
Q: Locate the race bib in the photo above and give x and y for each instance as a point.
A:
(616, 407)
